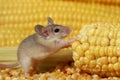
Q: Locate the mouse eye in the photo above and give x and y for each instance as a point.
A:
(56, 30)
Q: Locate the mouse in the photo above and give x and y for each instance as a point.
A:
(44, 42)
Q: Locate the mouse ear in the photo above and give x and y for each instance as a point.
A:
(50, 21)
(42, 30)
(38, 28)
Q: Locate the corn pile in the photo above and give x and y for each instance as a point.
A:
(60, 73)
(98, 49)
(18, 18)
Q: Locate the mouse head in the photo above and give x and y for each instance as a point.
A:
(53, 30)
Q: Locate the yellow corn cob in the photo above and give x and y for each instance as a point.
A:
(98, 51)
(18, 18)
(106, 2)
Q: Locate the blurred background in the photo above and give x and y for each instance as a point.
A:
(18, 17)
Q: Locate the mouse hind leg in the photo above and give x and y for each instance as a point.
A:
(26, 65)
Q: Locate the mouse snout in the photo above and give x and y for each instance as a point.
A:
(68, 30)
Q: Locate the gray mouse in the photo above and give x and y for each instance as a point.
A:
(45, 42)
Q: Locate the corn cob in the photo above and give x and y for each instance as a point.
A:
(106, 2)
(98, 49)
(18, 18)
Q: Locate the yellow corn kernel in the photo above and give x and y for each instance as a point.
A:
(101, 57)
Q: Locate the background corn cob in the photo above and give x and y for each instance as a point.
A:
(18, 18)
(106, 2)
(98, 51)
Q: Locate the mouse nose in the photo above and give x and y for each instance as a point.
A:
(68, 30)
